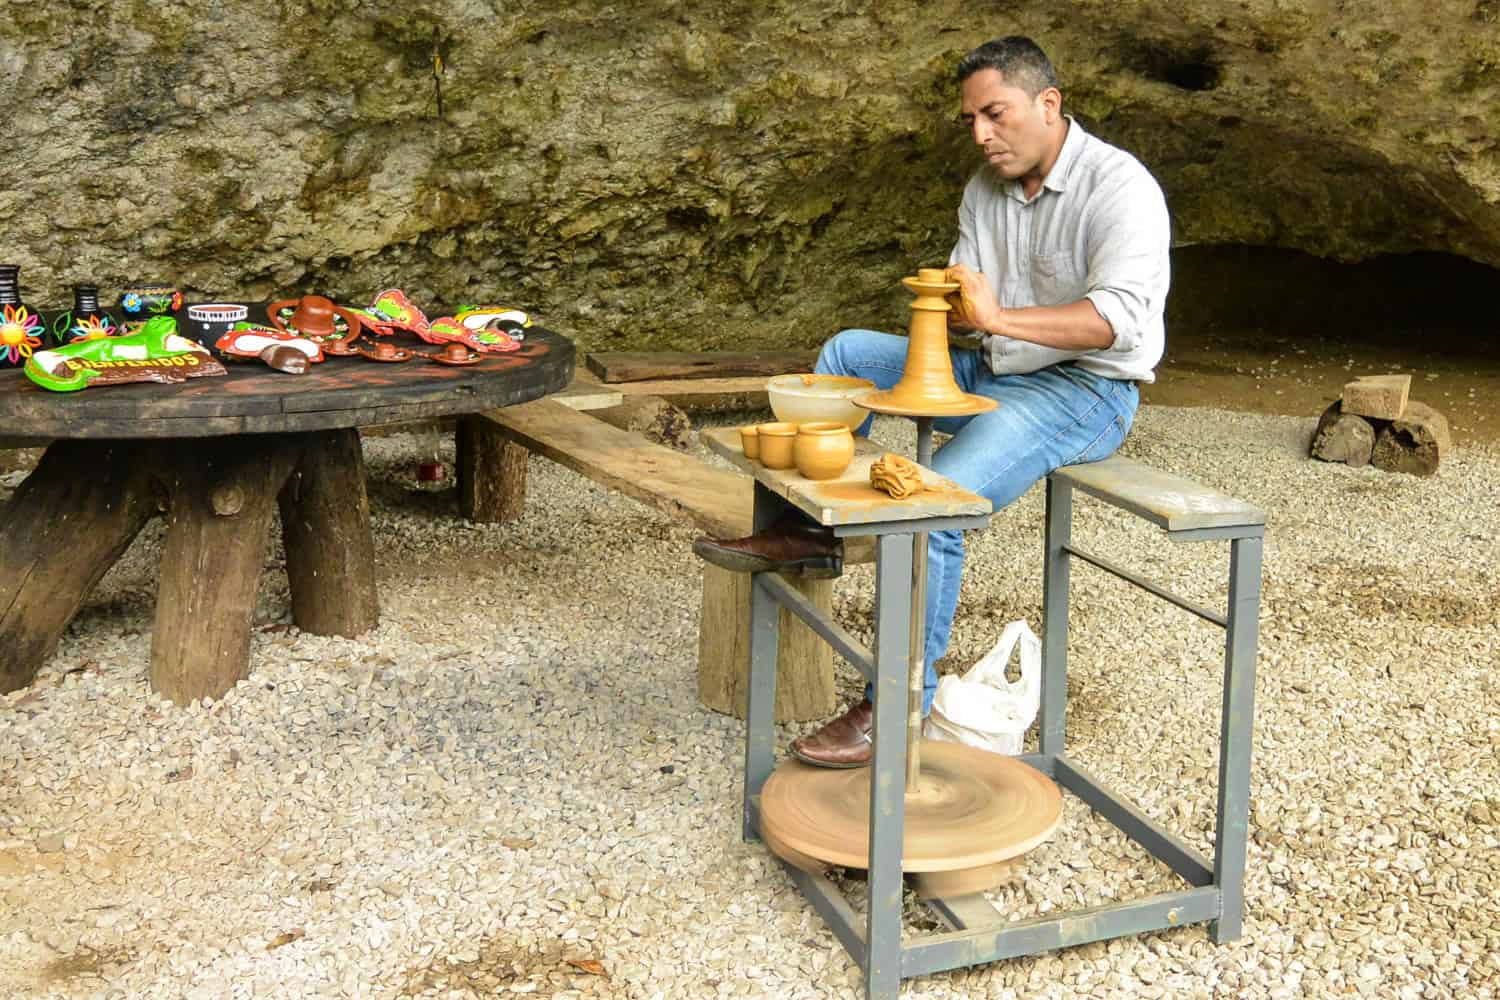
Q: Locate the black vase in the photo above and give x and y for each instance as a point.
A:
(86, 320)
(21, 328)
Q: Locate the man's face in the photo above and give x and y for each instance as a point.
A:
(1011, 126)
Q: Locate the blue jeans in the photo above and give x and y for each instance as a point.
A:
(1058, 416)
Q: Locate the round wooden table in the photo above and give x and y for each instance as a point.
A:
(213, 455)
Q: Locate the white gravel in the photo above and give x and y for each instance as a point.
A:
(512, 774)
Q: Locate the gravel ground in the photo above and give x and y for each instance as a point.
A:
(509, 787)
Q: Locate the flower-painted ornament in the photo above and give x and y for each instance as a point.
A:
(147, 299)
(21, 333)
(21, 327)
(155, 353)
(284, 351)
(87, 320)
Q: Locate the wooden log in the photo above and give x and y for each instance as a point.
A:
(491, 472)
(652, 417)
(1415, 444)
(804, 662)
(1343, 437)
(221, 494)
(63, 528)
(637, 366)
(325, 526)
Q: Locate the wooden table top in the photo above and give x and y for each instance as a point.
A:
(850, 499)
(255, 399)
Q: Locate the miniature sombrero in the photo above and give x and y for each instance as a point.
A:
(331, 326)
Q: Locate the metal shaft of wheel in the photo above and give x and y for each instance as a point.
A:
(917, 662)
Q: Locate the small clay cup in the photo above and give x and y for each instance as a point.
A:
(823, 449)
(211, 320)
(750, 441)
(776, 441)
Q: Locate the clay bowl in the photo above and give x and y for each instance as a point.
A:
(823, 449)
(750, 441)
(808, 398)
(776, 443)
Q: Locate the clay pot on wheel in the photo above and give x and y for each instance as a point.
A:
(823, 449)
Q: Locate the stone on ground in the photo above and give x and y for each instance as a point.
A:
(1380, 396)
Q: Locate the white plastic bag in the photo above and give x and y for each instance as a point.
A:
(982, 708)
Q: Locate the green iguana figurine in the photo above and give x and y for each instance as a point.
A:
(155, 353)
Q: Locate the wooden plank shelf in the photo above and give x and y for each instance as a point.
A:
(850, 499)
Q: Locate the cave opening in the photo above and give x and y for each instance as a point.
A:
(1281, 331)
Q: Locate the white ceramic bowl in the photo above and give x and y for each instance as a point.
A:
(802, 399)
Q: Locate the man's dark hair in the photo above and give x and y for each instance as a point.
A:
(1019, 60)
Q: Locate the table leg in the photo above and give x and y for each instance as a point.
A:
(325, 525)
(220, 497)
(491, 470)
(888, 771)
(65, 526)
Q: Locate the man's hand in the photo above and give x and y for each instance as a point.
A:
(974, 305)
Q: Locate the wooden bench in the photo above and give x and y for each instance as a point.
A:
(493, 450)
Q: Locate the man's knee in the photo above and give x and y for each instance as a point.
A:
(832, 358)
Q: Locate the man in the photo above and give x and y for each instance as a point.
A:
(1063, 271)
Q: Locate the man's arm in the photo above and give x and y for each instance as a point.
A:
(1076, 326)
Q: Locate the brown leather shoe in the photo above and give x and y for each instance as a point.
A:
(792, 544)
(844, 742)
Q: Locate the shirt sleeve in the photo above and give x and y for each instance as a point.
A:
(1129, 240)
(966, 250)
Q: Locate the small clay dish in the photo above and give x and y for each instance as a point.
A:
(750, 441)
(776, 443)
(381, 351)
(455, 353)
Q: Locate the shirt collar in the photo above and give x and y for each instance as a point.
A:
(1057, 177)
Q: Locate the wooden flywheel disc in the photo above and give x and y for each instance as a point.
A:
(971, 809)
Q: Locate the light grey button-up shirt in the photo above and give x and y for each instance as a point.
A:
(1098, 229)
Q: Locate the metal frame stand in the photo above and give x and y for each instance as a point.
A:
(979, 934)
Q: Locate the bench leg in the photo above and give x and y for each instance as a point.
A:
(1055, 577)
(804, 675)
(491, 472)
(1236, 734)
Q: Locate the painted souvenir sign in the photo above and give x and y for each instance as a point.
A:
(156, 353)
(510, 321)
(447, 329)
(397, 312)
(286, 352)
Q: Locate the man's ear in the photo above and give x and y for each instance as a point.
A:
(1052, 103)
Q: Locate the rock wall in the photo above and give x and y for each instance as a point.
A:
(697, 174)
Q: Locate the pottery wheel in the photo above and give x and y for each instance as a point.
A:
(893, 403)
(970, 809)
